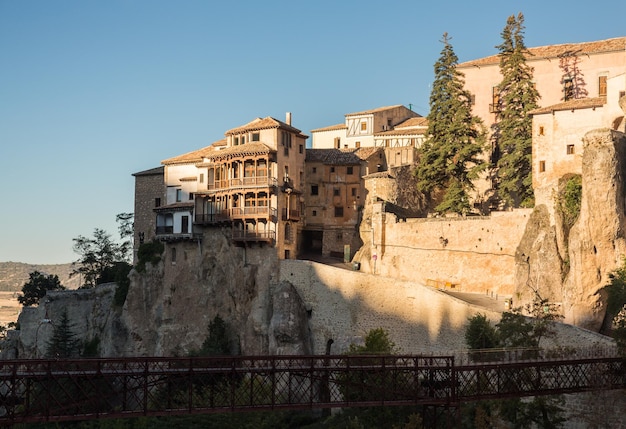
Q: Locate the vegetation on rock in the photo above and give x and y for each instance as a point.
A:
(37, 286)
(519, 328)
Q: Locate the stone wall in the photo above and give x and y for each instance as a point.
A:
(476, 254)
(344, 305)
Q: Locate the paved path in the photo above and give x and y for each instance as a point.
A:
(481, 300)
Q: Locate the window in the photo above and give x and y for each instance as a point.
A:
(570, 149)
(350, 170)
(494, 107)
(541, 130)
(542, 166)
(338, 211)
(157, 202)
(332, 169)
(337, 142)
(243, 139)
(235, 141)
(314, 190)
(179, 195)
(364, 126)
(287, 232)
(473, 99)
(353, 192)
(301, 149)
(173, 254)
(602, 86)
(314, 213)
(256, 137)
(339, 236)
(357, 144)
(314, 170)
(568, 89)
(190, 196)
(201, 178)
(336, 192)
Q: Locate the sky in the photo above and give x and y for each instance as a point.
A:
(94, 91)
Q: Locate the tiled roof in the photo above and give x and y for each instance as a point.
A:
(420, 121)
(379, 109)
(580, 103)
(175, 207)
(352, 156)
(158, 171)
(331, 128)
(190, 157)
(403, 132)
(262, 124)
(555, 51)
(251, 148)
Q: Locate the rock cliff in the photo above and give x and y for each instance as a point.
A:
(572, 267)
(167, 311)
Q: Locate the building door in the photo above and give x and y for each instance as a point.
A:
(184, 228)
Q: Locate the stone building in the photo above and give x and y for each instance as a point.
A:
(563, 72)
(250, 182)
(335, 196)
(149, 194)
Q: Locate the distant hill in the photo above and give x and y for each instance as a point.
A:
(13, 275)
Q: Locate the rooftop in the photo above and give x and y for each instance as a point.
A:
(554, 51)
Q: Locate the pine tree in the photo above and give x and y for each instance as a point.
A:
(450, 158)
(517, 97)
(63, 343)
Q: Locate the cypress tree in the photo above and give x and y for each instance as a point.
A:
(450, 158)
(517, 97)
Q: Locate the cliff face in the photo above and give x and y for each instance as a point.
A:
(167, 312)
(572, 268)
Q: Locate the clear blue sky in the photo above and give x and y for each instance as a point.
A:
(93, 91)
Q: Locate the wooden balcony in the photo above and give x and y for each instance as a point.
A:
(256, 212)
(166, 233)
(291, 214)
(241, 183)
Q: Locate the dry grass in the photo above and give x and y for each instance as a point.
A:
(9, 307)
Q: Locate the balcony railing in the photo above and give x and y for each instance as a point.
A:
(262, 211)
(254, 236)
(242, 182)
(291, 214)
(163, 230)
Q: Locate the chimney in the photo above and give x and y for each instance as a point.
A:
(288, 118)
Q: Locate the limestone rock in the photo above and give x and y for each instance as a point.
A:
(596, 241)
(288, 329)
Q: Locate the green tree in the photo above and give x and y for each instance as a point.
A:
(377, 341)
(125, 228)
(450, 158)
(517, 96)
(97, 255)
(480, 333)
(37, 286)
(217, 343)
(64, 342)
(615, 317)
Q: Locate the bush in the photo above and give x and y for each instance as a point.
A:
(149, 253)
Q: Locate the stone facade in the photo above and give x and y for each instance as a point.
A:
(149, 194)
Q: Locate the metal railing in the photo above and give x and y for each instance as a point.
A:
(79, 389)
